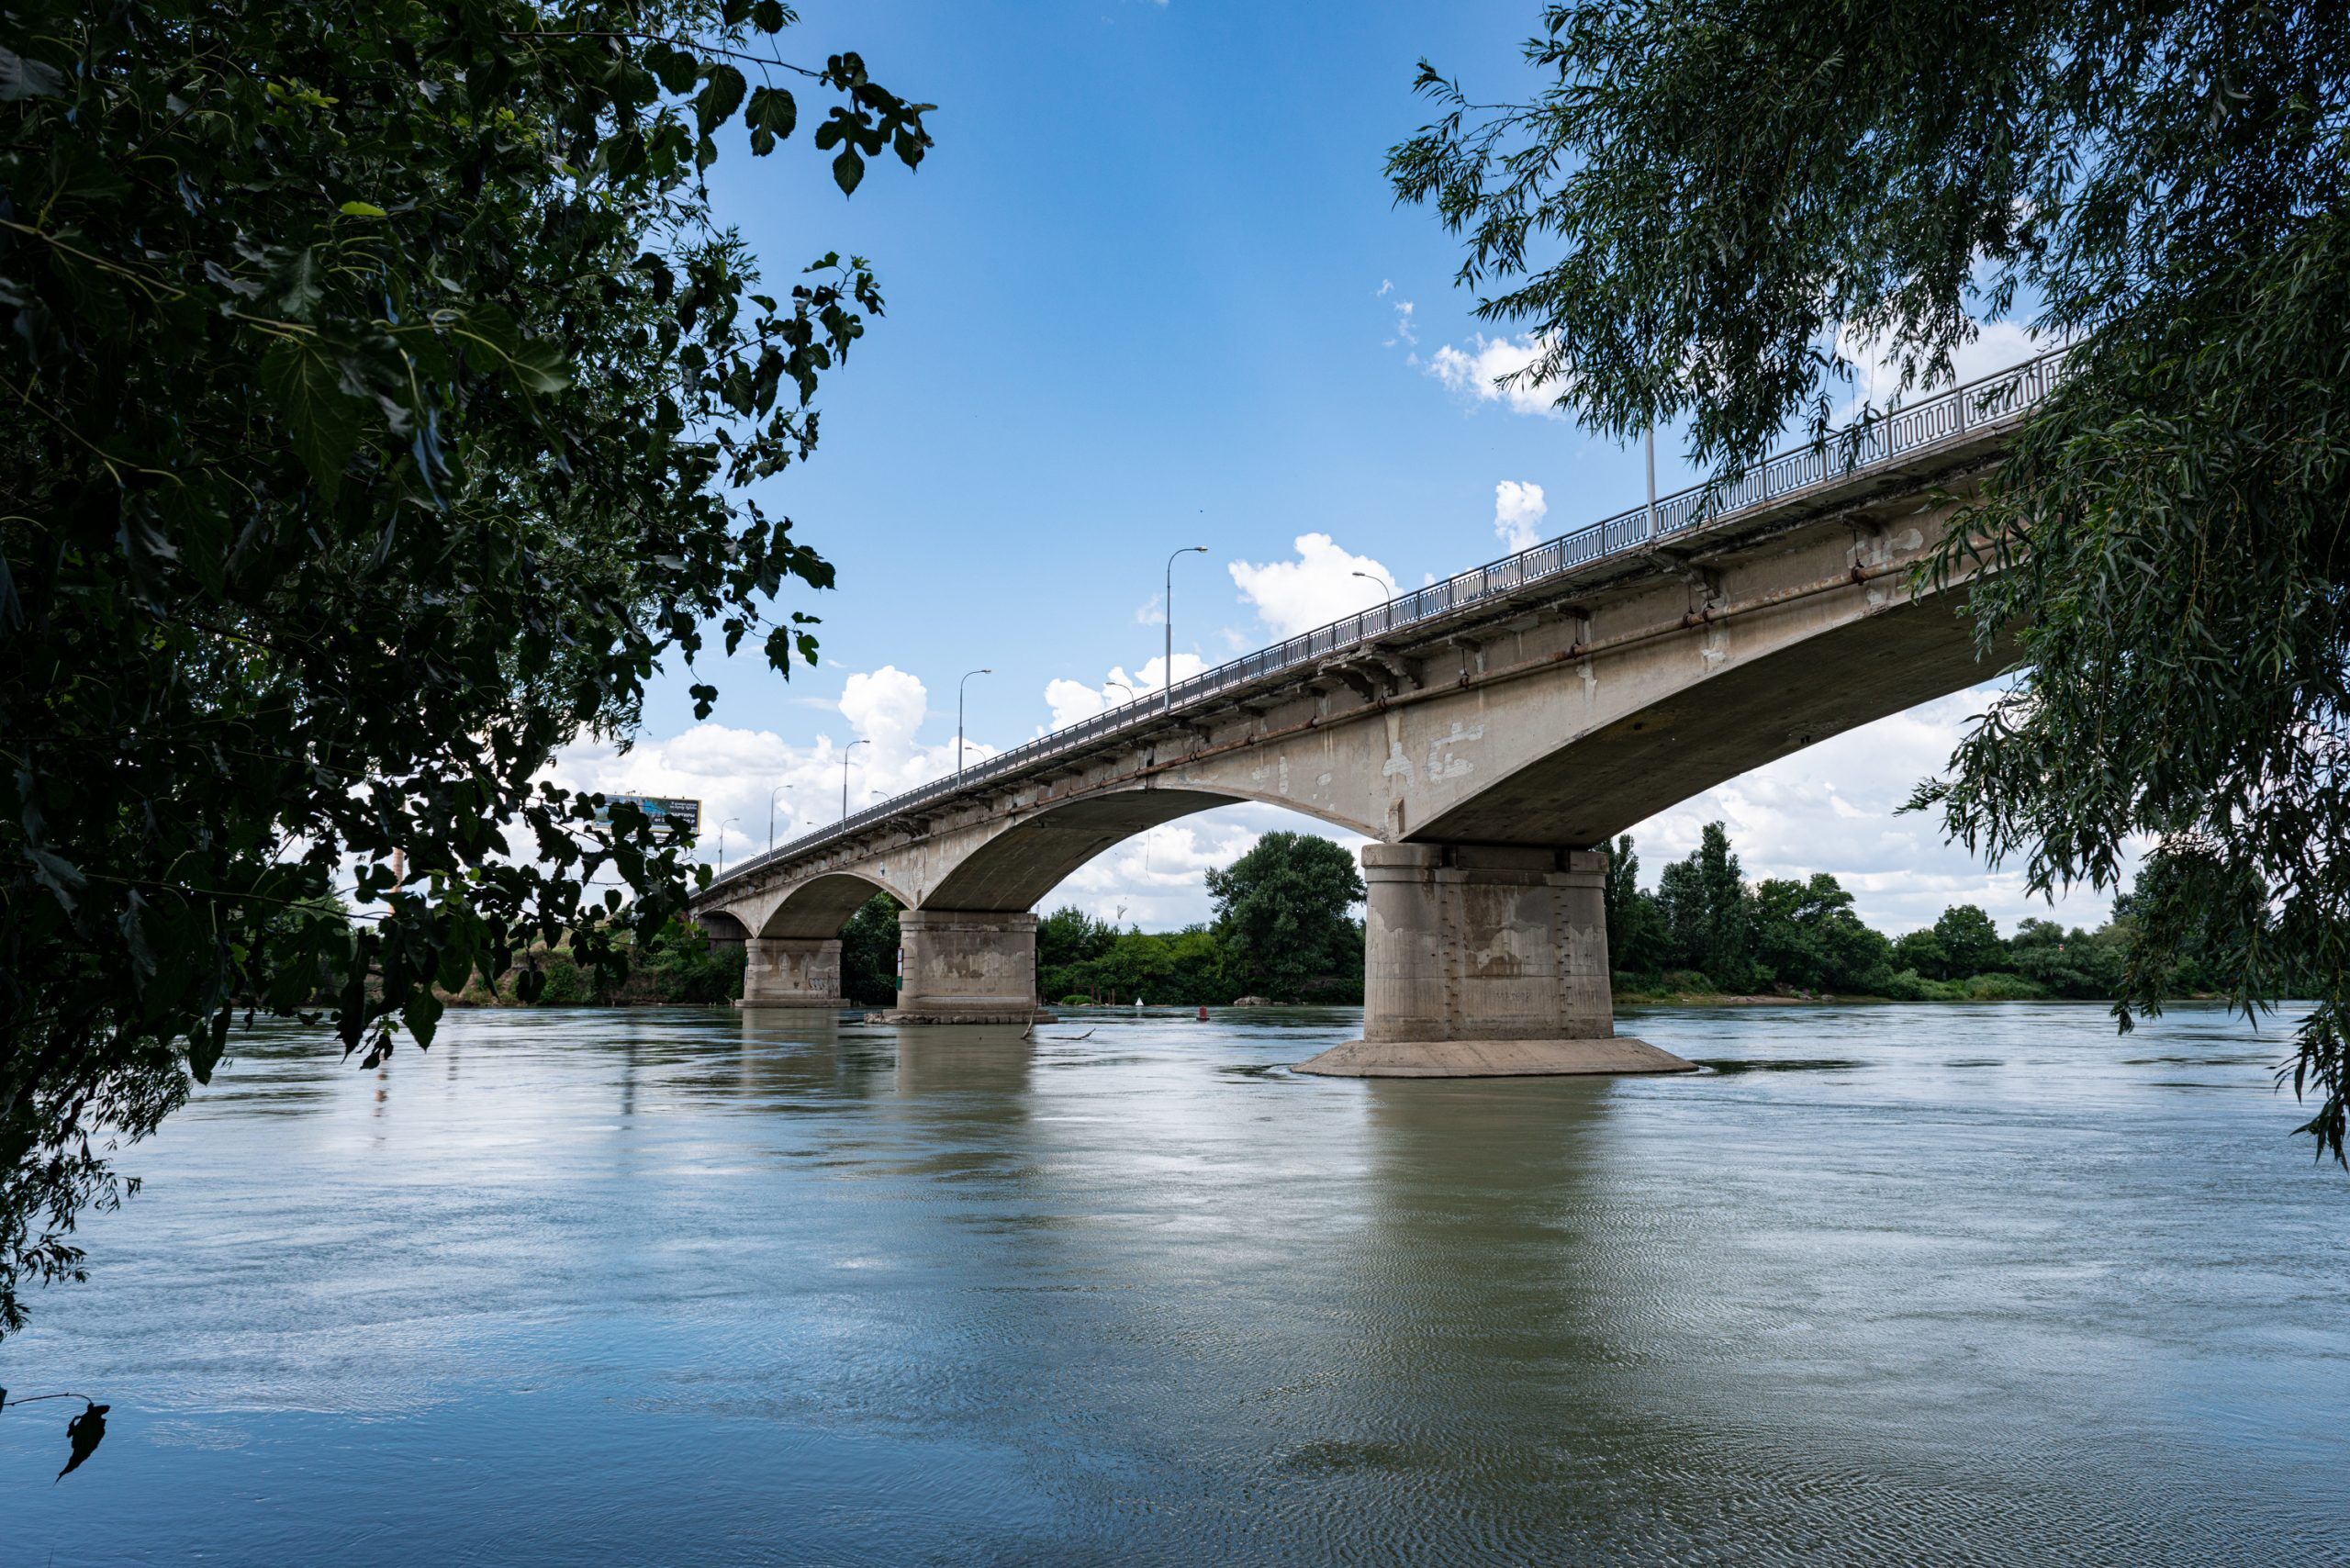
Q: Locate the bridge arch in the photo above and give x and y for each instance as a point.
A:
(1033, 856)
(817, 909)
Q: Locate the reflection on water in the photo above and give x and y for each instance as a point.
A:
(1951, 1285)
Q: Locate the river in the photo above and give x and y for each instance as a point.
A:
(1939, 1284)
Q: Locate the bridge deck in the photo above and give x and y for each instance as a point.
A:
(1893, 449)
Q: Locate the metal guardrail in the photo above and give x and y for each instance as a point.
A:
(1987, 400)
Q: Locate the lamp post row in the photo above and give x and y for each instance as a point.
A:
(1167, 682)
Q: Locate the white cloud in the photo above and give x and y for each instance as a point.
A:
(1876, 378)
(1314, 590)
(1518, 511)
(1158, 878)
(1073, 699)
(732, 771)
(1832, 808)
(1476, 371)
(1406, 332)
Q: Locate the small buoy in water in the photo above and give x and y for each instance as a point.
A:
(1204, 1011)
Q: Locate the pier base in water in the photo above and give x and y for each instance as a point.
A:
(1493, 1058)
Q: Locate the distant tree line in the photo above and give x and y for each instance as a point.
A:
(1706, 928)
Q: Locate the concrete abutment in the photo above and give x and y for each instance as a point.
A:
(1486, 961)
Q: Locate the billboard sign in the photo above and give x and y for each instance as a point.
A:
(671, 818)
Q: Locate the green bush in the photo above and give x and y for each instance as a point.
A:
(566, 983)
(2002, 987)
(1076, 999)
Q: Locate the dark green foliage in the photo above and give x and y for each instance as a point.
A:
(1808, 935)
(1969, 939)
(1703, 213)
(2077, 963)
(1637, 936)
(562, 983)
(1703, 908)
(683, 965)
(869, 953)
(1282, 909)
(1189, 968)
(379, 397)
(1069, 935)
(1922, 952)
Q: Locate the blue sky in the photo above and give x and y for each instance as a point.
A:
(1149, 291)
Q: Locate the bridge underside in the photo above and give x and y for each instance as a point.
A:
(1604, 782)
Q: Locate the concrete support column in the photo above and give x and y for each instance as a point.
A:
(966, 967)
(1486, 961)
(792, 971)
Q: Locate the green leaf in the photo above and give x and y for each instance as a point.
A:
(298, 288)
(773, 115)
(363, 210)
(540, 366)
(422, 1014)
(57, 874)
(719, 99)
(307, 389)
(22, 78)
(849, 171)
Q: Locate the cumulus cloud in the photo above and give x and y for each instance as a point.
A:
(1476, 371)
(1834, 808)
(1317, 588)
(1876, 380)
(1073, 699)
(732, 771)
(1518, 511)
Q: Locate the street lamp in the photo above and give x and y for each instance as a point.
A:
(844, 751)
(1123, 686)
(958, 716)
(771, 795)
(1167, 669)
(1381, 583)
(730, 822)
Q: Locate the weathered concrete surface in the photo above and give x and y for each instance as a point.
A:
(1492, 1058)
(792, 971)
(1486, 961)
(1476, 942)
(966, 967)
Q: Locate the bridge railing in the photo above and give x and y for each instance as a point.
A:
(1945, 417)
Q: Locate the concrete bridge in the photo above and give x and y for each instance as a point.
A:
(1491, 733)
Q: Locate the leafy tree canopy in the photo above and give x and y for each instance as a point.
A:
(1281, 909)
(1710, 215)
(379, 391)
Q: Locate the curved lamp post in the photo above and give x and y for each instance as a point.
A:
(1167, 667)
(730, 822)
(844, 751)
(771, 795)
(958, 716)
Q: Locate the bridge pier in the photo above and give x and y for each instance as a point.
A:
(792, 971)
(1486, 961)
(966, 967)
